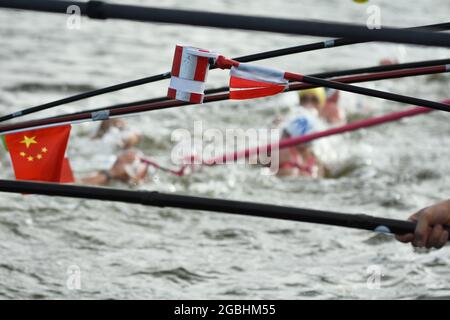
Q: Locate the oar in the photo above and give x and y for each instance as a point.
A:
(329, 74)
(371, 92)
(225, 63)
(104, 10)
(97, 114)
(293, 141)
(248, 58)
(227, 158)
(252, 209)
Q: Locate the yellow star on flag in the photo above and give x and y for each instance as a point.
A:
(23, 154)
(28, 141)
(30, 158)
(39, 156)
(44, 150)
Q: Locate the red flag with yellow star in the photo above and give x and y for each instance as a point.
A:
(38, 154)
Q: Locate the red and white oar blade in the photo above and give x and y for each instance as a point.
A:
(255, 91)
(249, 82)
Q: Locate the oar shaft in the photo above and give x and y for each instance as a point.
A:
(383, 68)
(103, 10)
(331, 43)
(177, 172)
(85, 95)
(247, 58)
(225, 63)
(376, 93)
(412, 69)
(157, 199)
(358, 221)
(166, 75)
(294, 141)
(120, 111)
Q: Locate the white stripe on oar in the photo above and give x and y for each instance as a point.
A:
(258, 73)
(186, 85)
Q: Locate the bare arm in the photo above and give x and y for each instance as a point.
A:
(98, 179)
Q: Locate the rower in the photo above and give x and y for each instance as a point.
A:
(325, 103)
(114, 137)
(116, 132)
(127, 168)
(300, 160)
(313, 99)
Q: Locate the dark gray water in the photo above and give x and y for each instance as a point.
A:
(130, 252)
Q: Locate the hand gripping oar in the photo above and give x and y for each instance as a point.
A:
(159, 199)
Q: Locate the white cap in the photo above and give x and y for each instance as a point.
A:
(302, 124)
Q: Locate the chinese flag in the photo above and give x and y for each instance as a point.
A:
(66, 172)
(39, 154)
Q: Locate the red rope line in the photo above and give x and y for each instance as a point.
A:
(289, 142)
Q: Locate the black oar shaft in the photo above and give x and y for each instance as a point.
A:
(382, 68)
(85, 95)
(157, 199)
(247, 58)
(166, 75)
(331, 43)
(329, 74)
(377, 93)
(103, 10)
(139, 107)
